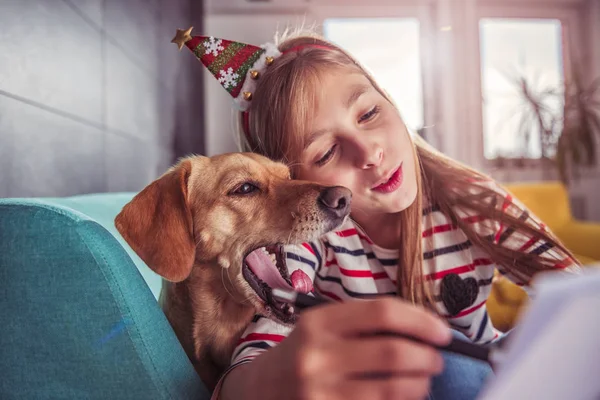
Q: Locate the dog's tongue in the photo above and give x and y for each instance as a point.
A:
(261, 264)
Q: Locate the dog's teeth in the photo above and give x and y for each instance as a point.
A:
(290, 310)
(273, 258)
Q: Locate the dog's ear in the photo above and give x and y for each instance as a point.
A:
(157, 224)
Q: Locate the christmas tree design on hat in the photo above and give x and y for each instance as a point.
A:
(235, 65)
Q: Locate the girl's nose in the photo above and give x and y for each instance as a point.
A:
(371, 157)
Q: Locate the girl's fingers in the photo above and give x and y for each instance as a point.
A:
(371, 356)
(396, 388)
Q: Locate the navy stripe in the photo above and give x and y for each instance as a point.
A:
(484, 323)
(446, 250)
(542, 248)
(465, 327)
(383, 261)
(494, 203)
(317, 254)
(506, 234)
(296, 257)
(485, 282)
(389, 262)
(340, 249)
(490, 238)
(254, 345)
(349, 292)
(257, 318)
(487, 342)
(235, 365)
(430, 209)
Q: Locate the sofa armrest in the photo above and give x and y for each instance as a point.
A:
(78, 319)
(582, 238)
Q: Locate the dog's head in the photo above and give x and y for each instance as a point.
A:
(232, 212)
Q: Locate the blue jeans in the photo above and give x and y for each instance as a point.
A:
(462, 378)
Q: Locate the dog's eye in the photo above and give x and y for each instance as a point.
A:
(244, 188)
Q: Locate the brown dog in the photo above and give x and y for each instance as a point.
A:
(197, 224)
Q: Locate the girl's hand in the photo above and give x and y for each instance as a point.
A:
(334, 353)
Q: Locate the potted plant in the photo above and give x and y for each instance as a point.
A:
(568, 133)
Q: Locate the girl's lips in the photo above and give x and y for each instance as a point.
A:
(392, 184)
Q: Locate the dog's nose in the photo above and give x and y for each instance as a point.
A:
(336, 200)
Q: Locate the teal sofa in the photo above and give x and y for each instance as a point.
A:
(79, 313)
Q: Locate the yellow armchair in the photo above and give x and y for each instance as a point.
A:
(550, 202)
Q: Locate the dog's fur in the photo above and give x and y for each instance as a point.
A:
(194, 227)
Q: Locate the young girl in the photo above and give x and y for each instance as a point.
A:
(423, 227)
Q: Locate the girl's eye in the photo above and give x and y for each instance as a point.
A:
(327, 156)
(369, 114)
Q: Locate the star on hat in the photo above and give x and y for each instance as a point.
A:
(235, 65)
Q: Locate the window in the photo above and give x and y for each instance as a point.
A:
(372, 41)
(522, 79)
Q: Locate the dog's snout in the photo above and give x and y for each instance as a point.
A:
(336, 200)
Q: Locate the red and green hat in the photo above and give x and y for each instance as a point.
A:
(235, 65)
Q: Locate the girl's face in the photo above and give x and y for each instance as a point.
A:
(357, 139)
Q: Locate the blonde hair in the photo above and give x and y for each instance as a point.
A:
(281, 105)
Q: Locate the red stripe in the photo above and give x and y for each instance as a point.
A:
(438, 229)
(505, 204)
(458, 270)
(468, 311)
(309, 248)
(564, 263)
(528, 244)
(362, 273)
(326, 293)
(260, 337)
(352, 232)
(331, 262)
(474, 218)
(449, 227)
(380, 275)
(357, 273)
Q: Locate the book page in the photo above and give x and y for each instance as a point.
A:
(554, 352)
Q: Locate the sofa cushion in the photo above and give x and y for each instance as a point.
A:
(549, 201)
(79, 320)
(103, 208)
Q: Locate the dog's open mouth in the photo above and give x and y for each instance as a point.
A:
(264, 269)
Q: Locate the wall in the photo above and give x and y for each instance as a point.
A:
(93, 96)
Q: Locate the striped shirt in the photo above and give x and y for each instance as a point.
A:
(346, 264)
